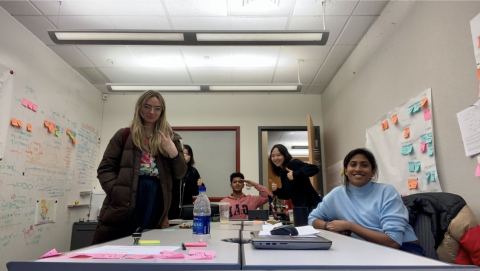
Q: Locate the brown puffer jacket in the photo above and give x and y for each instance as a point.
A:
(118, 174)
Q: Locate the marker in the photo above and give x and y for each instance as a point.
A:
(137, 235)
(148, 242)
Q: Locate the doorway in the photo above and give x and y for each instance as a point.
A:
(296, 140)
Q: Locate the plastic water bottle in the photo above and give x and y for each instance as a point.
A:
(201, 216)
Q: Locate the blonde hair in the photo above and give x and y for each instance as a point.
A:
(138, 127)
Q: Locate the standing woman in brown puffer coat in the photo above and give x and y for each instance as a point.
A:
(137, 170)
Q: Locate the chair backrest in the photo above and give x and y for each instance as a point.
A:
(423, 231)
(187, 211)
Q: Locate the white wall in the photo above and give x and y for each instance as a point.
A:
(412, 46)
(246, 111)
(56, 87)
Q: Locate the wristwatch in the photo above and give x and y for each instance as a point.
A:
(325, 227)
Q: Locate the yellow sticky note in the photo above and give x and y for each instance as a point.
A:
(149, 242)
(394, 119)
(29, 127)
(423, 102)
(56, 133)
(406, 133)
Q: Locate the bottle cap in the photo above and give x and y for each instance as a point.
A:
(202, 189)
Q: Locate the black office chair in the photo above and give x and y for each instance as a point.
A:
(187, 211)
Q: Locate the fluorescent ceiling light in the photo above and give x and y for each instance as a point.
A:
(205, 87)
(188, 38)
(254, 88)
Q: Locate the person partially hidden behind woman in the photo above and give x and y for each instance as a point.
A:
(295, 179)
(366, 209)
(187, 187)
(137, 170)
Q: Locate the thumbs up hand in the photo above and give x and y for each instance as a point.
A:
(274, 185)
(290, 174)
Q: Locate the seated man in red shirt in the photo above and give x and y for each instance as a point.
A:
(241, 203)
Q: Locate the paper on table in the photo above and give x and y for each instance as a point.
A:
(51, 253)
(469, 121)
(195, 254)
(107, 255)
(269, 227)
(306, 230)
(140, 256)
(170, 255)
(131, 250)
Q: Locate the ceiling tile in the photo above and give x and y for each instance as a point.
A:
(211, 75)
(168, 76)
(68, 7)
(254, 56)
(250, 76)
(314, 8)
(337, 56)
(131, 8)
(38, 25)
(355, 29)
(120, 55)
(334, 24)
(102, 88)
(19, 8)
(207, 56)
(126, 75)
(196, 7)
(200, 23)
(316, 89)
(260, 8)
(71, 55)
(82, 22)
(290, 75)
(370, 7)
(249, 23)
(158, 56)
(313, 56)
(325, 75)
(140, 22)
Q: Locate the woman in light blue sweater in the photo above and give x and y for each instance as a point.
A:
(366, 209)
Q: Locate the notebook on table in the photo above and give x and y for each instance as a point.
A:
(287, 242)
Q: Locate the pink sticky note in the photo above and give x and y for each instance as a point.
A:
(195, 254)
(34, 107)
(24, 102)
(140, 257)
(51, 253)
(30, 105)
(77, 255)
(426, 114)
(107, 256)
(423, 146)
(477, 172)
(479, 91)
(197, 244)
(165, 254)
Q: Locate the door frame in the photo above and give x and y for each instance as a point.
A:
(292, 129)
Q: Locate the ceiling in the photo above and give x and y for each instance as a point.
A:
(289, 139)
(347, 21)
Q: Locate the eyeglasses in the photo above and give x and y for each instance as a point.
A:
(156, 109)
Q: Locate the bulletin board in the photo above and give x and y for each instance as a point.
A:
(404, 146)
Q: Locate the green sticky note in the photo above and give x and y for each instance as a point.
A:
(149, 242)
(411, 166)
(410, 109)
(404, 150)
(432, 176)
(417, 166)
(428, 138)
(430, 149)
(410, 148)
(427, 177)
(423, 137)
(416, 106)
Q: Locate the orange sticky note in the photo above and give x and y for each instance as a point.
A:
(423, 102)
(383, 126)
(68, 131)
(412, 184)
(478, 42)
(14, 122)
(478, 74)
(74, 141)
(394, 119)
(46, 123)
(19, 123)
(385, 123)
(51, 127)
(29, 127)
(406, 133)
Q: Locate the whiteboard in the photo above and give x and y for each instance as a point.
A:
(388, 144)
(39, 165)
(6, 82)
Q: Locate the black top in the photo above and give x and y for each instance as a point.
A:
(183, 191)
(300, 190)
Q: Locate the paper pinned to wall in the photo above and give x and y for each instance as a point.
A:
(406, 151)
(469, 121)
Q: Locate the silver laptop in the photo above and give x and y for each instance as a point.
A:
(287, 242)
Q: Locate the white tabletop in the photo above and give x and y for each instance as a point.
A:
(346, 252)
